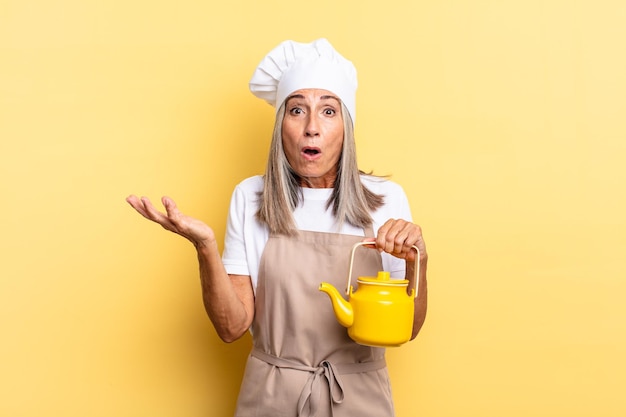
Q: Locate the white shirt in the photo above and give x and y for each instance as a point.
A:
(246, 236)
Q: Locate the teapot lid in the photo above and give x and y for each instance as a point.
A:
(383, 278)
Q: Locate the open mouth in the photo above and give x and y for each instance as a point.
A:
(311, 151)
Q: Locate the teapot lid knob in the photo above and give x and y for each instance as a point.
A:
(383, 276)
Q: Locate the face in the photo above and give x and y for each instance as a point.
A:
(313, 136)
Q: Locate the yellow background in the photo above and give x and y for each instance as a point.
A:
(505, 121)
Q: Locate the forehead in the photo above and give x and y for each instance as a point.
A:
(313, 95)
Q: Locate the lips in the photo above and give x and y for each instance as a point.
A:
(311, 153)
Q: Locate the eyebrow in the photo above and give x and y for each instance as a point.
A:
(325, 97)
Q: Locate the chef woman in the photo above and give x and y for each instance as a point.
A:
(294, 227)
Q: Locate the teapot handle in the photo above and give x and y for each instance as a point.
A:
(417, 266)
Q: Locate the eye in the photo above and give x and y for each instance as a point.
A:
(296, 111)
(329, 111)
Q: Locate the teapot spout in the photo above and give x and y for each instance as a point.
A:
(342, 308)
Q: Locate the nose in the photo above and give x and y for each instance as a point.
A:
(312, 126)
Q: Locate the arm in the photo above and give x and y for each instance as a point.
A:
(228, 300)
(397, 237)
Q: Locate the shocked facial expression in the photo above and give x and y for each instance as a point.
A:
(313, 136)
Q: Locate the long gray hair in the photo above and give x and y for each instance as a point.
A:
(351, 201)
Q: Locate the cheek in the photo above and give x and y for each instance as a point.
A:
(337, 140)
(288, 136)
(290, 149)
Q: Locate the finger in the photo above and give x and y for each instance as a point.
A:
(381, 236)
(133, 201)
(150, 210)
(155, 215)
(394, 237)
(370, 242)
(421, 245)
(397, 237)
(173, 214)
(411, 235)
(170, 207)
(403, 248)
(414, 239)
(137, 205)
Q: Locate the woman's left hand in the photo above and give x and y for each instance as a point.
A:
(398, 237)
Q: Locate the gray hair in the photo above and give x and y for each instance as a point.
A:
(351, 201)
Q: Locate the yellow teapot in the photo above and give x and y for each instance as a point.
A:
(380, 312)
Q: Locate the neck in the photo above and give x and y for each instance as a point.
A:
(317, 182)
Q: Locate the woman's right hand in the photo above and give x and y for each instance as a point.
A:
(173, 220)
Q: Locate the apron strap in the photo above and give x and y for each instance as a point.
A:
(312, 391)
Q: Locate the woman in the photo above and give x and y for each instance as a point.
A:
(293, 228)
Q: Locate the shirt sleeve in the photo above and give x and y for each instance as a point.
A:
(234, 256)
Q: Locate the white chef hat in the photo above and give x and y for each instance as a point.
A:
(293, 66)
